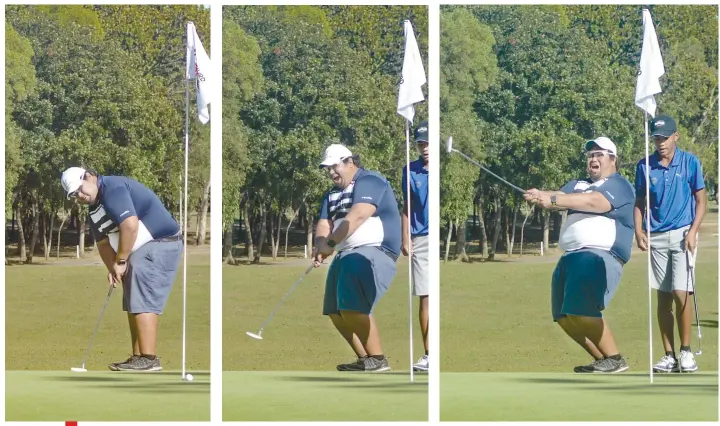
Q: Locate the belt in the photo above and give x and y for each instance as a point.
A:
(172, 238)
(622, 262)
(392, 255)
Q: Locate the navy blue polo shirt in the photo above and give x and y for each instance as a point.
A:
(120, 197)
(419, 190)
(382, 229)
(672, 190)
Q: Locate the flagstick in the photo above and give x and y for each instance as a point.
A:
(187, 144)
(409, 203)
(647, 220)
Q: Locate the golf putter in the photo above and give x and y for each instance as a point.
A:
(450, 149)
(258, 335)
(691, 276)
(87, 352)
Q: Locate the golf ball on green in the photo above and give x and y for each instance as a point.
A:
(189, 377)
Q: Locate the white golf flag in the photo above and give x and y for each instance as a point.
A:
(198, 69)
(413, 76)
(651, 68)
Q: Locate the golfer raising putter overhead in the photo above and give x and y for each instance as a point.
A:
(597, 238)
(360, 220)
(140, 244)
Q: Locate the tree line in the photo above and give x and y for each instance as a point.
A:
(295, 79)
(102, 87)
(522, 87)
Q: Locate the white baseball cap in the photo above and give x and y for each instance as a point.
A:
(334, 154)
(604, 143)
(71, 179)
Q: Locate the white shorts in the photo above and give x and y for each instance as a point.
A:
(420, 266)
(669, 261)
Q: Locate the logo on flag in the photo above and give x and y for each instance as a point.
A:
(197, 67)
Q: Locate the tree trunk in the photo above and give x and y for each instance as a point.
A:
(483, 231)
(287, 230)
(45, 218)
(512, 232)
(447, 241)
(50, 233)
(545, 218)
(227, 246)
(308, 230)
(81, 233)
(496, 230)
(249, 246)
(263, 227)
(460, 252)
(276, 247)
(59, 231)
(22, 249)
(522, 232)
(271, 230)
(204, 206)
(35, 228)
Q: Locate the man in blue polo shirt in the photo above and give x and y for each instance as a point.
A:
(359, 219)
(140, 244)
(597, 239)
(416, 244)
(677, 208)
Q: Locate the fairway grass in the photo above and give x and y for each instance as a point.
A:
(291, 374)
(319, 396)
(578, 397)
(50, 314)
(106, 396)
(503, 358)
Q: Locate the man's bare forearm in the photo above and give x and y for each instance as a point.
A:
(128, 235)
(107, 254)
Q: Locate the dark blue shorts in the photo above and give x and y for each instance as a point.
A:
(584, 282)
(357, 279)
(150, 276)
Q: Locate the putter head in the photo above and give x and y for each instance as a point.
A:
(254, 336)
(699, 352)
(79, 369)
(448, 145)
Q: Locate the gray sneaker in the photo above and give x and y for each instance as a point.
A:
(141, 363)
(609, 365)
(113, 366)
(352, 366)
(371, 364)
(589, 368)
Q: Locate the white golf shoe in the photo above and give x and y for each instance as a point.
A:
(666, 364)
(687, 362)
(422, 364)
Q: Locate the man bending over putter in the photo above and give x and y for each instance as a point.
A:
(597, 238)
(416, 245)
(677, 208)
(359, 219)
(141, 246)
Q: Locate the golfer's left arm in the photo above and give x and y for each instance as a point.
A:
(120, 208)
(366, 196)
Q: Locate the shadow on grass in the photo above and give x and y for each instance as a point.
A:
(708, 323)
(320, 379)
(82, 378)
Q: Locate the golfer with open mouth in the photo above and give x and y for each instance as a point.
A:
(597, 239)
(677, 208)
(140, 244)
(359, 219)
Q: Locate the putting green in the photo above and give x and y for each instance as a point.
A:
(326, 396)
(106, 396)
(578, 397)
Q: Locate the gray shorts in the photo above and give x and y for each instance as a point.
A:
(420, 266)
(669, 261)
(150, 276)
(357, 279)
(583, 283)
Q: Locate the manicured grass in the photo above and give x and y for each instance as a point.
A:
(291, 374)
(51, 312)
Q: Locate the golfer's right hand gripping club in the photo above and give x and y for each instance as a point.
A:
(258, 335)
(450, 150)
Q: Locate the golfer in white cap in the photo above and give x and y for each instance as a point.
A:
(359, 219)
(597, 238)
(140, 243)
